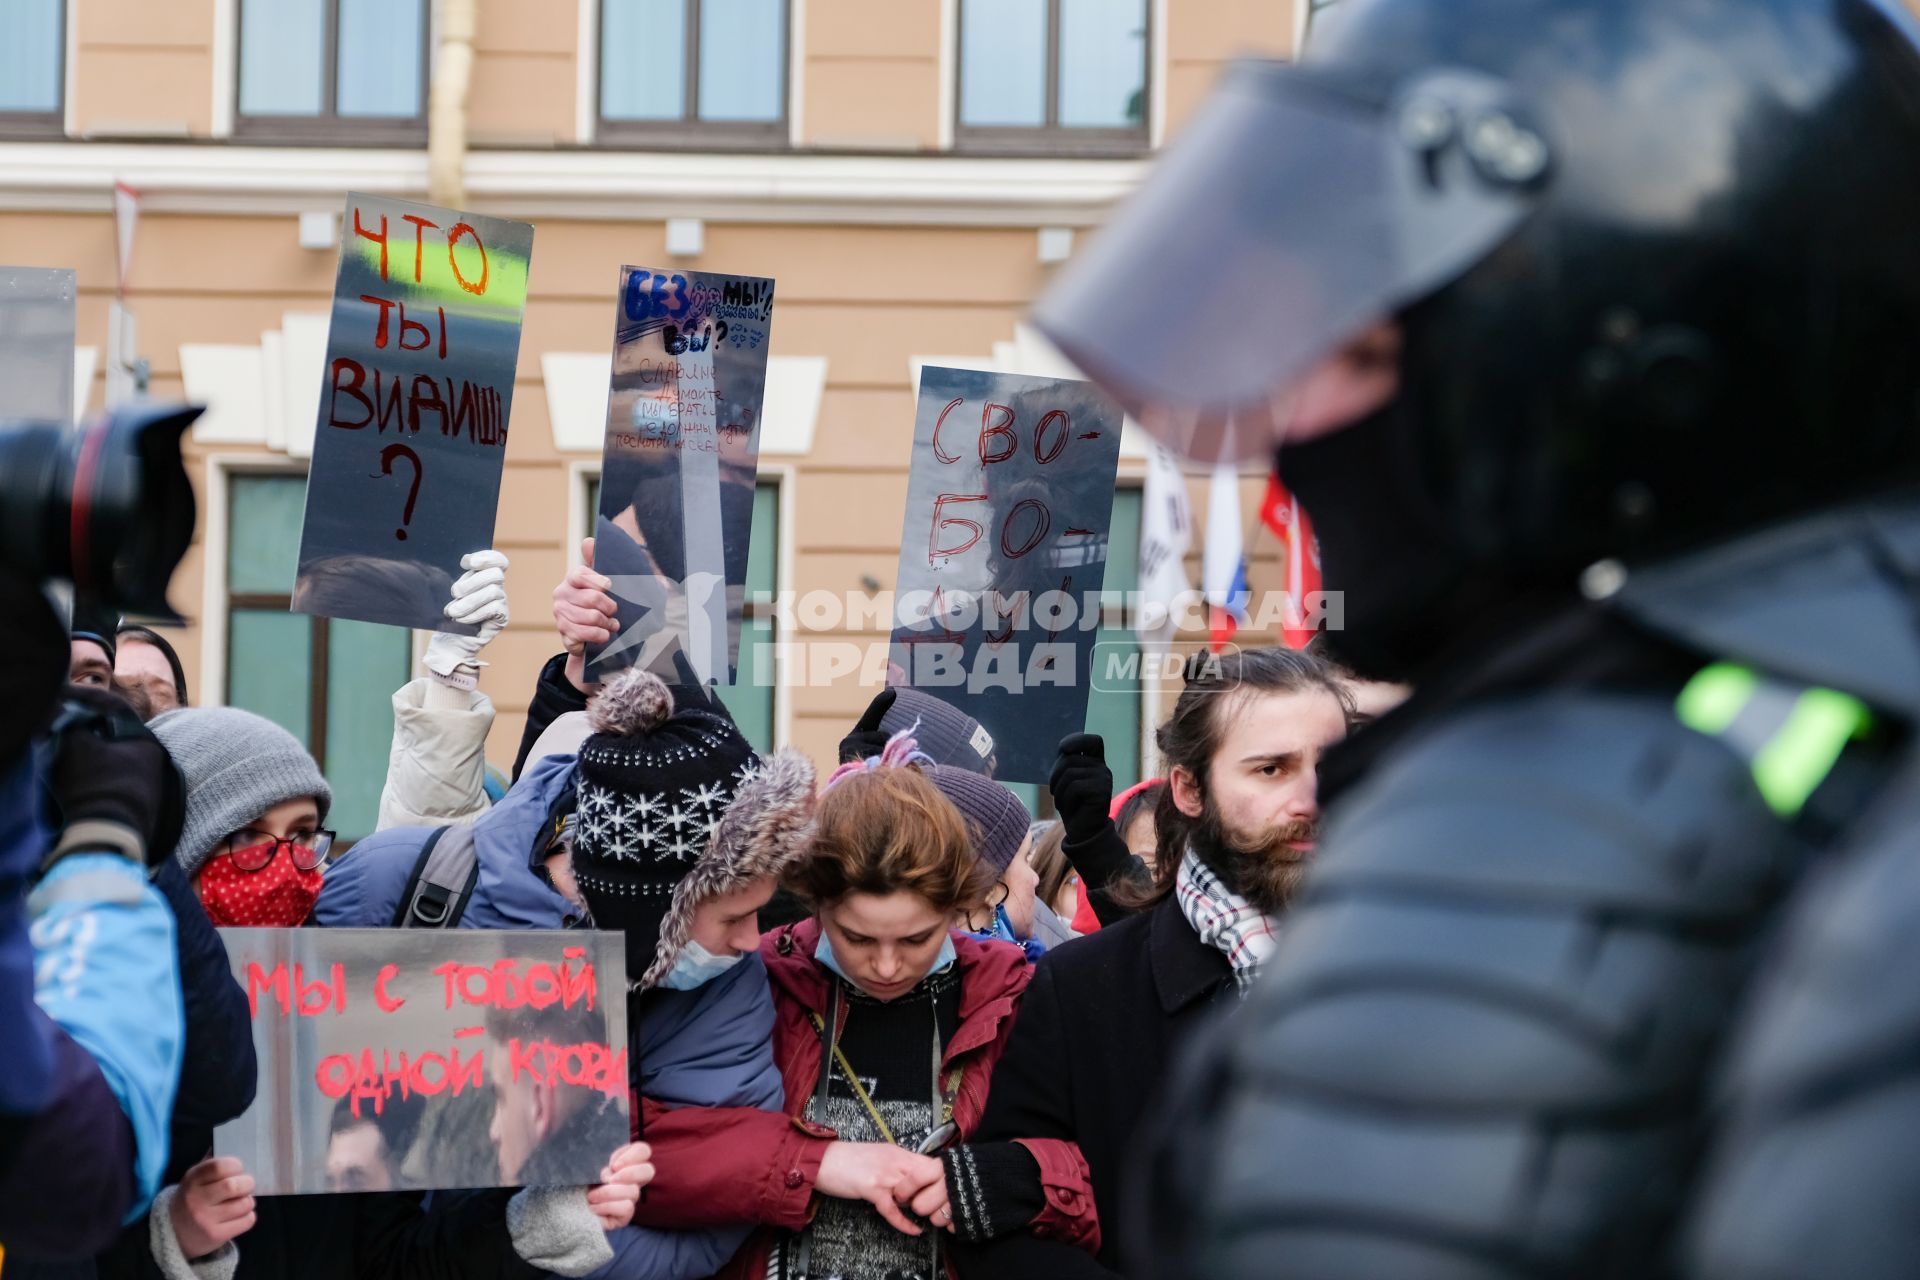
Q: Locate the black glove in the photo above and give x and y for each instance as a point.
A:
(109, 768)
(1082, 785)
(868, 738)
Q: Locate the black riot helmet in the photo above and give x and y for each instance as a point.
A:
(1652, 263)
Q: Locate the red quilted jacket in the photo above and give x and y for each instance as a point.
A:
(732, 1165)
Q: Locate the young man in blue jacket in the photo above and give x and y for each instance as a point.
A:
(666, 826)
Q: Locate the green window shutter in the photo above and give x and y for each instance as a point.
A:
(327, 682)
(269, 651)
(264, 515)
(270, 665)
(751, 702)
(366, 662)
(1115, 705)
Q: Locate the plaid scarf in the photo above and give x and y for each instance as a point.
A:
(1224, 919)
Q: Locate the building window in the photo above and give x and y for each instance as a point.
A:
(750, 700)
(33, 49)
(699, 72)
(328, 682)
(333, 70)
(1053, 75)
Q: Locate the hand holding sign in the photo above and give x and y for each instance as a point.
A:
(613, 1198)
(480, 601)
(212, 1205)
(584, 614)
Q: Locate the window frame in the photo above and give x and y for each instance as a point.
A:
(16, 125)
(226, 473)
(1119, 615)
(328, 127)
(689, 131)
(317, 656)
(1050, 137)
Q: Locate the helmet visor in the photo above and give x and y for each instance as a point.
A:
(1292, 213)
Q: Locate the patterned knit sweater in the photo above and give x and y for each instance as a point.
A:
(890, 1044)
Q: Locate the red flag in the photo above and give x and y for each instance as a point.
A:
(1221, 626)
(1280, 513)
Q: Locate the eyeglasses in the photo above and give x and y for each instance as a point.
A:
(253, 850)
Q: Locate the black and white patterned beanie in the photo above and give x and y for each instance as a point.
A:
(768, 829)
(652, 785)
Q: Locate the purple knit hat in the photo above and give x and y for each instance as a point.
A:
(945, 733)
(995, 817)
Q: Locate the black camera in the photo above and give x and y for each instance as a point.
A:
(107, 508)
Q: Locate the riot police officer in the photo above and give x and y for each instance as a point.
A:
(1580, 328)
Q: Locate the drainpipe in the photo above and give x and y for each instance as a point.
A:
(447, 107)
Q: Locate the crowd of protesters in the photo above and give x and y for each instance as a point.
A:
(1578, 327)
(882, 1024)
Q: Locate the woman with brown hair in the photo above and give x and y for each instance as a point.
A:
(887, 1026)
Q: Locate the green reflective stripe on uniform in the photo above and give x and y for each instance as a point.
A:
(1794, 764)
(1714, 697)
(1790, 737)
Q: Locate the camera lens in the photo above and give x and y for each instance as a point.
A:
(108, 508)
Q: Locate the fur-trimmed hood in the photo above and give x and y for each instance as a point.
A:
(765, 830)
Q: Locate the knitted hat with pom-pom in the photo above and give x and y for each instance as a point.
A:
(653, 784)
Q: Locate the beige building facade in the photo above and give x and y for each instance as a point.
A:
(909, 171)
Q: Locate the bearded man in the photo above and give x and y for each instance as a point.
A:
(1104, 1015)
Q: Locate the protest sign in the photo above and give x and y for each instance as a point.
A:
(676, 480)
(393, 1059)
(414, 406)
(36, 344)
(1004, 554)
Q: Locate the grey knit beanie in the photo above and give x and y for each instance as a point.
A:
(995, 817)
(237, 765)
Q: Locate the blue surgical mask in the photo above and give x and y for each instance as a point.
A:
(823, 952)
(1001, 930)
(696, 965)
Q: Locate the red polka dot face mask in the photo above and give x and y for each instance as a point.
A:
(278, 896)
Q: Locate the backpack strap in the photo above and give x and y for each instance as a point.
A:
(442, 880)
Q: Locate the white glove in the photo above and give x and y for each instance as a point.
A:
(479, 598)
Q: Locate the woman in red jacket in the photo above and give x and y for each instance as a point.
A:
(887, 1026)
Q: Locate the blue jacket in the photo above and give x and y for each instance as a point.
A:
(363, 889)
(66, 1148)
(712, 1046)
(709, 1047)
(30, 1080)
(103, 941)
